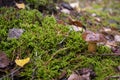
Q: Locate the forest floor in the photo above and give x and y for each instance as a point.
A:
(60, 41)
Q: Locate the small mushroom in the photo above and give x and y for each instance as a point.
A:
(92, 39)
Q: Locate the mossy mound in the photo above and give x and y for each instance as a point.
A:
(53, 48)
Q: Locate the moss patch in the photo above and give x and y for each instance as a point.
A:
(41, 41)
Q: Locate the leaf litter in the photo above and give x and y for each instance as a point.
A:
(82, 74)
(4, 60)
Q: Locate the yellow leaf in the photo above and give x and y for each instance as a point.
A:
(20, 6)
(22, 62)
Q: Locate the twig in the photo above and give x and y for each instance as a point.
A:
(64, 37)
(10, 73)
(62, 49)
(115, 77)
(93, 54)
(33, 74)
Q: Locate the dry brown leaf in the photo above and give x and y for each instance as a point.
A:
(61, 22)
(4, 61)
(62, 75)
(76, 23)
(118, 68)
(75, 76)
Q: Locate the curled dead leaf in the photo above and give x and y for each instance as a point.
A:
(74, 76)
(117, 38)
(118, 68)
(82, 74)
(62, 75)
(76, 23)
(4, 61)
(61, 22)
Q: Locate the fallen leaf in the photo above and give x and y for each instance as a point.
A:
(61, 22)
(105, 29)
(115, 49)
(94, 15)
(111, 44)
(66, 11)
(117, 38)
(75, 76)
(76, 23)
(111, 21)
(4, 61)
(22, 62)
(75, 28)
(62, 75)
(97, 19)
(66, 6)
(75, 4)
(20, 5)
(118, 68)
(82, 74)
(15, 33)
(86, 73)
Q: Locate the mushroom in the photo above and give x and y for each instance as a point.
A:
(92, 39)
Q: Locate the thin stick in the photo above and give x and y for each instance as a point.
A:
(62, 49)
(115, 54)
(115, 77)
(33, 74)
(10, 73)
(65, 37)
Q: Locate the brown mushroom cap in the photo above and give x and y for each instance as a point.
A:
(90, 36)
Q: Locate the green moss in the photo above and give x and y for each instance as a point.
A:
(38, 2)
(103, 49)
(42, 37)
(41, 4)
(52, 47)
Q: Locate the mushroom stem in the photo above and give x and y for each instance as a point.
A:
(92, 46)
